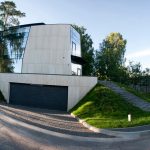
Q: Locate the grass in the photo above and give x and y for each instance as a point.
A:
(144, 96)
(103, 108)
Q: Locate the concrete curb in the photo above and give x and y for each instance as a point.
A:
(13, 122)
(119, 134)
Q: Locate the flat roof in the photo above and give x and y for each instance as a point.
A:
(41, 23)
(36, 24)
(27, 25)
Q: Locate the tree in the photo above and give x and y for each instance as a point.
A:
(134, 69)
(110, 58)
(87, 50)
(9, 14)
(135, 73)
(146, 79)
(8, 17)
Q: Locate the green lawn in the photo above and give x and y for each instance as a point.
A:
(103, 108)
(144, 96)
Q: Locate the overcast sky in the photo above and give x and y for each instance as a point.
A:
(129, 17)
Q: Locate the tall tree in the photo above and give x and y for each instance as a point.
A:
(110, 57)
(87, 50)
(9, 14)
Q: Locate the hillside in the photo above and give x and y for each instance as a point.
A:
(103, 108)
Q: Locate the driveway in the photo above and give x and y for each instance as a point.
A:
(25, 128)
(57, 121)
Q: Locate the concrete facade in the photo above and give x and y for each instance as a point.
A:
(77, 86)
(51, 55)
(48, 50)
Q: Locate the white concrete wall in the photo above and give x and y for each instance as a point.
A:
(78, 86)
(48, 50)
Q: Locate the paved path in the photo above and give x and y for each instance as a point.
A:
(132, 129)
(136, 101)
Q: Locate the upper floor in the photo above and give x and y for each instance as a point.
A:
(41, 48)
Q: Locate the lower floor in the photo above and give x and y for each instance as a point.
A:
(60, 92)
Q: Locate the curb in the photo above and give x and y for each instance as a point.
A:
(119, 134)
(4, 120)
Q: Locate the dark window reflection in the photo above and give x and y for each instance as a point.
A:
(12, 47)
(76, 51)
(75, 43)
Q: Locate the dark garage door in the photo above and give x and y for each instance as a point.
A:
(42, 96)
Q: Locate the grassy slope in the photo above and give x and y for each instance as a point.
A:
(144, 96)
(103, 108)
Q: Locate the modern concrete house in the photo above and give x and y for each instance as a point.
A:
(43, 66)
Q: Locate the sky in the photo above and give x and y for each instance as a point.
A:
(100, 17)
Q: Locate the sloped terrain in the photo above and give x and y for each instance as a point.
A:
(128, 96)
(103, 108)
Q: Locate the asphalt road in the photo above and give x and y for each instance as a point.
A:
(17, 134)
(14, 137)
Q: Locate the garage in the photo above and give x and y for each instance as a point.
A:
(40, 96)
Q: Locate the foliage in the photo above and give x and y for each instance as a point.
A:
(5, 63)
(103, 108)
(146, 72)
(87, 50)
(110, 58)
(137, 79)
(134, 69)
(9, 14)
(8, 17)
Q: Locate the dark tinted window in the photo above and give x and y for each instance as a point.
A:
(75, 43)
(12, 47)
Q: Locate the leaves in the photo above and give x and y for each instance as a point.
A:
(110, 57)
(9, 15)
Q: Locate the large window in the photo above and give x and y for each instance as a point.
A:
(76, 69)
(12, 47)
(75, 43)
(76, 52)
